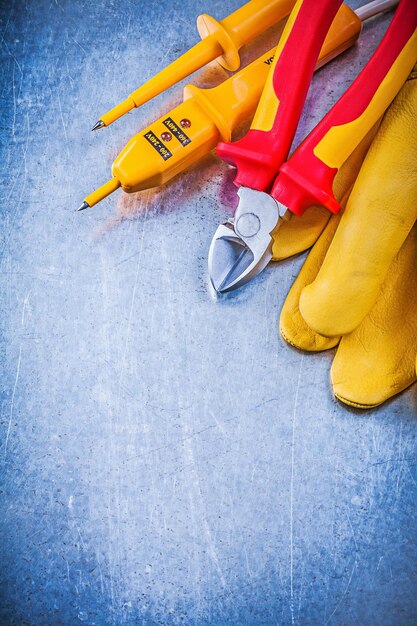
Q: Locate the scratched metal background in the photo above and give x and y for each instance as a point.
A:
(166, 458)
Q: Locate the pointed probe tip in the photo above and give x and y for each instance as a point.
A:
(98, 125)
(84, 205)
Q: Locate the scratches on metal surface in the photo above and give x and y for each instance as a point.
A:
(9, 425)
(16, 380)
(293, 431)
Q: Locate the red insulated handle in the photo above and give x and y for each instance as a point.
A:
(307, 177)
(259, 154)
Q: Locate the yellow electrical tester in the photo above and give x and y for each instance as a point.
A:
(221, 40)
(179, 139)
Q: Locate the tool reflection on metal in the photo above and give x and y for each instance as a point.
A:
(179, 139)
(220, 40)
(306, 179)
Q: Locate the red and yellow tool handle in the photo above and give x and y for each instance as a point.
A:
(307, 177)
(265, 147)
(235, 100)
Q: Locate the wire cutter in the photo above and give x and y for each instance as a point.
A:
(270, 184)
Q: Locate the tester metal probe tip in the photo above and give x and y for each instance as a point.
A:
(98, 125)
(100, 193)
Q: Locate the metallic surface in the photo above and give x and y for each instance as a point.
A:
(83, 206)
(165, 457)
(98, 125)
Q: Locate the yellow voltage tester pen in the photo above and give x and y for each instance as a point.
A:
(220, 40)
(180, 138)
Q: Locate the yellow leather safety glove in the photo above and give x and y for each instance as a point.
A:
(360, 279)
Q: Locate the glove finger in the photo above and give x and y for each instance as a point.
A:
(299, 233)
(378, 359)
(380, 213)
(293, 328)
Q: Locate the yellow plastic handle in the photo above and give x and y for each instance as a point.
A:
(242, 26)
(254, 18)
(221, 40)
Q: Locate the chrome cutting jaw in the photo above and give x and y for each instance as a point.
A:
(242, 247)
